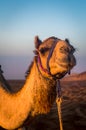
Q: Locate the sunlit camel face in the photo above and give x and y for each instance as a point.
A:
(62, 59)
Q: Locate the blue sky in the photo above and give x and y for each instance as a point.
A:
(21, 20)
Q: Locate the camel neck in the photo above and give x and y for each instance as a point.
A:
(36, 97)
(44, 91)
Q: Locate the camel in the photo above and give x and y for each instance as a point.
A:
(53, 59)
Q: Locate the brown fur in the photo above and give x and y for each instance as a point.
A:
(39, 91)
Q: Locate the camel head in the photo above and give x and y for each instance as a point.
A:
(54, 56)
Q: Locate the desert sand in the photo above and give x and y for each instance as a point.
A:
(73, 105)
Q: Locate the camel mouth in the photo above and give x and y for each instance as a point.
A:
(66, 70)
(61, 69)
(60, 75)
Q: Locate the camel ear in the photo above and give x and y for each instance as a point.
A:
(37, 42)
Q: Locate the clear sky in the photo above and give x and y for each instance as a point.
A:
(21, 20)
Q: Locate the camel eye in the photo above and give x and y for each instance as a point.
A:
(64, 50)
(43, 50)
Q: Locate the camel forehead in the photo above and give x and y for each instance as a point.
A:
(64, 44)
(48, 42)
(50, 39)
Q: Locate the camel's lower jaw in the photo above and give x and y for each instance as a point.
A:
(60, 70)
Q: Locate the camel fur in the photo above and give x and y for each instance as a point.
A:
(39, 91)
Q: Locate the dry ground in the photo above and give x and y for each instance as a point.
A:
(73, 106)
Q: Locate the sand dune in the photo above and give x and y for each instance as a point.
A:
(81, 77)
(73, 105)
